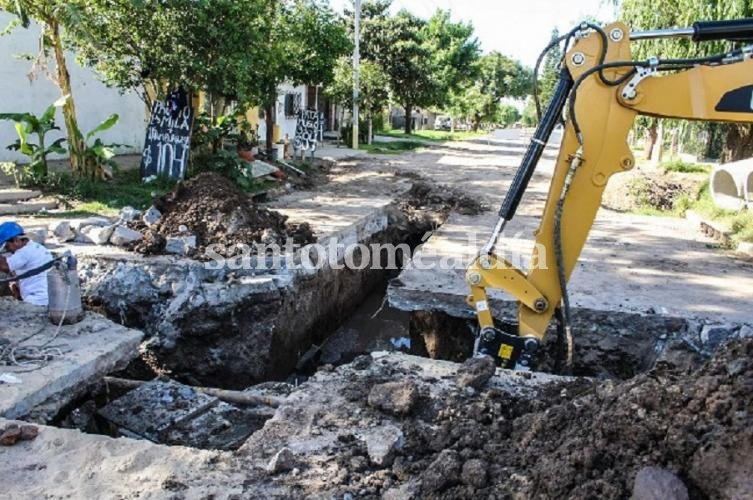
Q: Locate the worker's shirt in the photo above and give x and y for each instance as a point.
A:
(30, 256)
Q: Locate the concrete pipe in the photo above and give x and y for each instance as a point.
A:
(732, 184)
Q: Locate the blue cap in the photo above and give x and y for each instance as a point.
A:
(9, 230)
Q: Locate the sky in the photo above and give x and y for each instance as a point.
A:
(517, 28)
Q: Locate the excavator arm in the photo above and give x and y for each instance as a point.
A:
(603, 91)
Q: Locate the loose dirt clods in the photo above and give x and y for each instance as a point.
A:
(576, 438)
(216, 211)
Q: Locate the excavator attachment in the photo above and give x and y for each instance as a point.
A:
(603, 89)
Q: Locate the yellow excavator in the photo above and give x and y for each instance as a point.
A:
(602, 90)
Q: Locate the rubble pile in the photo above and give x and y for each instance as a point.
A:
(98, 230)
(428, 204)
(400, 431)
(209, 209)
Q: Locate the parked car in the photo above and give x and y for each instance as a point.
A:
(443, 123)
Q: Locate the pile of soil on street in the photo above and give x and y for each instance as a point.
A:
(427, 205)
(578, 439)
(215, 210)
(649, 189)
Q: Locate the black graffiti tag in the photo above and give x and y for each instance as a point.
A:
(168, 142)
(308, 130)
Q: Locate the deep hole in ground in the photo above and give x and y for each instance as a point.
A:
(614, 346)
(607, 345)
(361, 323)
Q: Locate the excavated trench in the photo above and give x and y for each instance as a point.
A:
(247, 328)
(276, 332)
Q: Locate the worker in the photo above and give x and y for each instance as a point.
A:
(25, 255)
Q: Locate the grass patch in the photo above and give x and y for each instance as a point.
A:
(739, 223)
(655, 197)
(85, 197)
(124, 189)
(390, 147)
(435, 135)
(680, 166)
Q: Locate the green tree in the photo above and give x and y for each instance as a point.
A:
(454, 51)
(426, 61)
(408, 64)
(52, 15)
(373, 87)
(530, 117)
(303, 41)
(154, 46)
(497, 76)
(550, 71)
(374, 17)
(507, 115)
(644, 14)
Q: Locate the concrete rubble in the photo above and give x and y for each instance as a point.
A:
(531, 433)
(79, 356)
(388, 425)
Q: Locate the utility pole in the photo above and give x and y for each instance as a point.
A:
(356, 68)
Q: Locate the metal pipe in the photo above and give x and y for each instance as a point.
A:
(665, 33)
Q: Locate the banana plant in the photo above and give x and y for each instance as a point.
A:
(27, 125)
(98, 156)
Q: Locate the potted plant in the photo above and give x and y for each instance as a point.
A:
(245, 141)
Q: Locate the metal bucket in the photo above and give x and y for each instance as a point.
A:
(64, 291)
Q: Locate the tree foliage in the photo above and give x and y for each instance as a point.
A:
(496, 76)
(152, 46)
(232, 50)
(426, 61)
(304, 39)
(550, 70)
(373, 85)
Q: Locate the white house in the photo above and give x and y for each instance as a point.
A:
(94, 100)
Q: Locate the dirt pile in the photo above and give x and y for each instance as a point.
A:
(641, 189)
(427, 205)
(575, 439)
(216, 211)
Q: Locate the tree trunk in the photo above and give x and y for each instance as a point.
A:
(738, 143)
(76, 143)
(371, 130)
(408, 118)
(651, 136)
(270, 120)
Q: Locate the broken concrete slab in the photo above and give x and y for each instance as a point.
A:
(165, 411)
(624, 268)
(62, 231)
(260, 168)
(99, 235)
(150, 410)
(180, 245)
(122, 236)
(80, 355)
(53, 465)
(151, 216)
(15, 195)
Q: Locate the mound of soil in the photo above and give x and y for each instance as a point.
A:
(427, 205)
(649, 189)
(582, 439)
(215, 210)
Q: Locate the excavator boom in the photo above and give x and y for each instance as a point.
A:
(603, 90)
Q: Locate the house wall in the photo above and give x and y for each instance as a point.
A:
(94, 101)
(285, 119)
